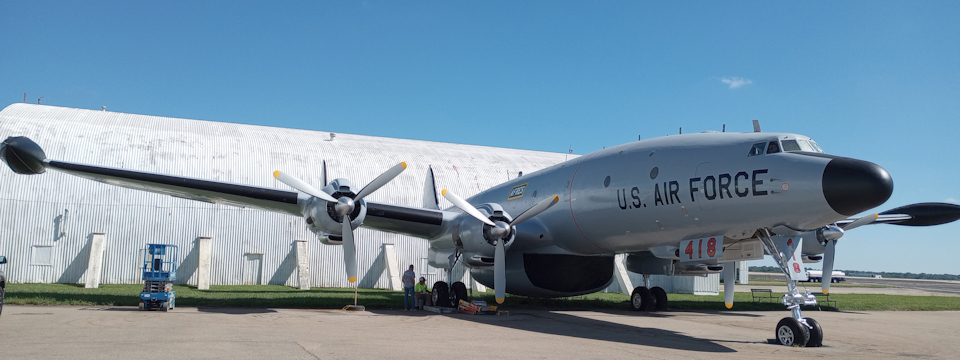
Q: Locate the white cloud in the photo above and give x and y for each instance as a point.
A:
(736, 82)
(952, 200)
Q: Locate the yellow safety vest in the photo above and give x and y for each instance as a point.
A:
(420, 288)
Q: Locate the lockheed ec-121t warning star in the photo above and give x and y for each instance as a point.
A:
(688, 204)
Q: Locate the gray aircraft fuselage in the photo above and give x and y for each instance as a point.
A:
(660, 191)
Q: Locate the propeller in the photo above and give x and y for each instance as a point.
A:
(499, 231)
(302, 186)
(344, 206)
(866, 220)
(831, 235)
(921, 214)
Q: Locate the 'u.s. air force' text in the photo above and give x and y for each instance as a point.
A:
(723, 186)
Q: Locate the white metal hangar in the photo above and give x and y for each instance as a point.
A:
(50, 220)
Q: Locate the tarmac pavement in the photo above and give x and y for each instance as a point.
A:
(64, 332)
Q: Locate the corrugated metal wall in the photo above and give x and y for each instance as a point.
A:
(60, 211)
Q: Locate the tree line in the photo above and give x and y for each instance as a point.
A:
(896, 275)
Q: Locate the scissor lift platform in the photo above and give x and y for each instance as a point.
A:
(159, 273)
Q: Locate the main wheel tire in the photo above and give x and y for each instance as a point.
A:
(459, 290)
(660, 298)
(163, 306)
(816, 333)
(642, 299)
(2, 291)
(791, 332)
(140, 306)
(440, 294)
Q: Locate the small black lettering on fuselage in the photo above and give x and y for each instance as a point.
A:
(713, 187)
(622, 198)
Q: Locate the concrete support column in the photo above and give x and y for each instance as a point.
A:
(620, 272)
(303, 267)
(393, 266)
(476, 285)
(203, 263)
(743, 272)
(95, 263)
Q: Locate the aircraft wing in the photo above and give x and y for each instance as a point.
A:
(26, 157)
(423, 223)
(407, 220)
(187, 188)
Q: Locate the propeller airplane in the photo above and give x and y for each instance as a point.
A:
(681, 205)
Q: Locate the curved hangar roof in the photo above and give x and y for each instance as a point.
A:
(248, 154)
(39, 207)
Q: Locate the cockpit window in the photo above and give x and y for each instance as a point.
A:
(757, 149)
(805, 146)
(801, 145)
(815, 146)
(773, 147)
(790, 145)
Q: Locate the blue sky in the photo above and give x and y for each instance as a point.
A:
(875, 80)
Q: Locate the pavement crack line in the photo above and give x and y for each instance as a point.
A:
(308, 351)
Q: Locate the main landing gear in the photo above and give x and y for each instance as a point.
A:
(645, 298)
(794, 330)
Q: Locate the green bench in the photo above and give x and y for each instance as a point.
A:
(761, 295)
(824, 299)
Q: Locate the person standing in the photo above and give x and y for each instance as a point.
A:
(408, 280)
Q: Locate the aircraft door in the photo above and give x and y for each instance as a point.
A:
(707, 187)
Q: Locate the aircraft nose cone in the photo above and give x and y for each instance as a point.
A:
(851, 186)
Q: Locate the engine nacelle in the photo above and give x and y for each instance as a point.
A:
(551, 275)
(322, 218)
(474, 238)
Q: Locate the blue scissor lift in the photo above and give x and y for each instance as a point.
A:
(159, 272)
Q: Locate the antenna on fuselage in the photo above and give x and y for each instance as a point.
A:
(724, 128)
(681, 130)
(756, 125)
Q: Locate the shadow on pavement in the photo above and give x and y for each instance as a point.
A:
(568, 324)
(235, 311)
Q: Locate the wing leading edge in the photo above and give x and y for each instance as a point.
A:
(187, 188)
(24, 156)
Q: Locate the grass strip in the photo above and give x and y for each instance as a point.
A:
(278, 296)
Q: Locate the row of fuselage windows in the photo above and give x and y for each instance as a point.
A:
(785, 145)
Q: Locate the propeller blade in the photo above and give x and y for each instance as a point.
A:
(381, 180)
(301, 186)
(349, 250)
(827, 277)
(729, 280)
(465, 206)
(535, 210)
(499, 276)
(866, 220)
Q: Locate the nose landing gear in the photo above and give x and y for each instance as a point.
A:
(794, 330)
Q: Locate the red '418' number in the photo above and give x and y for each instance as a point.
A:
(701, 249)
